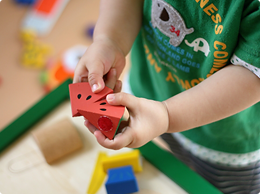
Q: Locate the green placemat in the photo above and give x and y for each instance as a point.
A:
(177, 171)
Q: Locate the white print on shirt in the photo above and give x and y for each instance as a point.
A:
(199, 44)
(217, 157)
(169, 22)
(237, 61)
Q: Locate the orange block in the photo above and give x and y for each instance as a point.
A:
(45, 6)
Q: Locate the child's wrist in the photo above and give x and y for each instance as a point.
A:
(164, 103)
(110, 41)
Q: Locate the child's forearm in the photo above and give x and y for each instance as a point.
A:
(120, 21)
(225, 93)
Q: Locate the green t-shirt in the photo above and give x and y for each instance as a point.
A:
(181, 43)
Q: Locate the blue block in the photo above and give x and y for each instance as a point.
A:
(26, 2)
(90, 31)
(121, 180)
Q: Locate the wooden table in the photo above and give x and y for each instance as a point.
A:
(24, 170)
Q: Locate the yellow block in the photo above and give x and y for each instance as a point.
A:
(98, 175)
(28, 35)
(130, 158)
(35, 53)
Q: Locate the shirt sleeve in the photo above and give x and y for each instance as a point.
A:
(247, 52)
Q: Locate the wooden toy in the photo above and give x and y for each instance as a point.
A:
(132, 158)
(121, 180)
(104, 163)
(54, 76)
(43, 15)
(62, 69)
(25, 2)
(72, 56)
(31, 116)
(58, 140)
(90, 31)
(98, 175)
(189, 180)
(95, 108)
(80, 93)
(35, 54)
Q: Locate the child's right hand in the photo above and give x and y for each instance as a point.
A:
(96, 64)
(147, 119)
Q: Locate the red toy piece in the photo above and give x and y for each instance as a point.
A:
(95, 108)
(81, 96)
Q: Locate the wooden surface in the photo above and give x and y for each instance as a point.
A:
(20, 87)
(23, 168)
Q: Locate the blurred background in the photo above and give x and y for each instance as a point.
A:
(40, 44)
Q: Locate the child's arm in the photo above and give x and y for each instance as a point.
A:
(116, 29)
(227, 92)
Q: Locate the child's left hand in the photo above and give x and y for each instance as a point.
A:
(147, 120)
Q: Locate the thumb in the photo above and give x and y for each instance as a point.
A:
(123, 99)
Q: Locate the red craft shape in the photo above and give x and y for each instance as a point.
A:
(95, 108)
(81, 96)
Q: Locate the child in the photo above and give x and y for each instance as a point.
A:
(195, 68)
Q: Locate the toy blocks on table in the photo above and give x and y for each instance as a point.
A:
(189, 180)
(95, 108)
(43, 15)
(25, 2)
(35, 54)
(121, 180)
(132, 158)
(57, 71)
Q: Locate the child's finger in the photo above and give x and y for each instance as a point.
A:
(80, 72)
(95, 77)
(111, 78)
(121, 140)
(123, 99)
(90, 127)
(118, 86)
(102, 140)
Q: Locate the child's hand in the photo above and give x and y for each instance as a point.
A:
(148, 119)
(102, 60)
